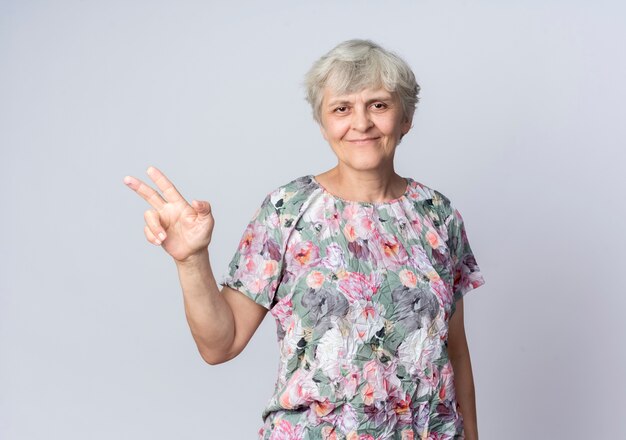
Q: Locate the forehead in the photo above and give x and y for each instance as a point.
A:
(331, 95)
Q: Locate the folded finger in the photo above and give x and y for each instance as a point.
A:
(153, 221)
(150, 236)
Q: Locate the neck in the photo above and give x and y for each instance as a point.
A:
(363, 185)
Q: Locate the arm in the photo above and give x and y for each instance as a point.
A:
(458, 352)
(221, 323)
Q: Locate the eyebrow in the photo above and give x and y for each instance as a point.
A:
(340, 101)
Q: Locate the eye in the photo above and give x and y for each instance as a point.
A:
(380, 105)
(341, 109)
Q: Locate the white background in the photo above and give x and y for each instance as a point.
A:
(520, 124)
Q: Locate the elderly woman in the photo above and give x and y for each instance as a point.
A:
(363, 270)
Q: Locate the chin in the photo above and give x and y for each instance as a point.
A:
(365, 165)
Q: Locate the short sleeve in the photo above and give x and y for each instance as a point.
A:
(465, 271)
(256, 266)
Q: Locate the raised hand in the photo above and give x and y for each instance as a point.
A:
(183, 230)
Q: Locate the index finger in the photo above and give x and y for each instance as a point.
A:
(145, 191)
(167, 188)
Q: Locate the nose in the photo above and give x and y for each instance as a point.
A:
(361, 120)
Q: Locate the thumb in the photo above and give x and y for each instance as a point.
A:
(203, 208)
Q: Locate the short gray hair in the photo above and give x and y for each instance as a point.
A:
(356, 64)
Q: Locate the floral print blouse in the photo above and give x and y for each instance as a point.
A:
(362, 294)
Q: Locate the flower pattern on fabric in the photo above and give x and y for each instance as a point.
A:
(362, 294)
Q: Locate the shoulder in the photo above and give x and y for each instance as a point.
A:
(287, 201)
(433, 202)
(428, 195)
(291, 195)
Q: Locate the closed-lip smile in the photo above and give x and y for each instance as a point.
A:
(362, 140)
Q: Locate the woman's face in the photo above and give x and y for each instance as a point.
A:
(363, 128)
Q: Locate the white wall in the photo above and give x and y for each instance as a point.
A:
(520, 123)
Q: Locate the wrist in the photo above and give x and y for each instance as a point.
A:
(195, 259)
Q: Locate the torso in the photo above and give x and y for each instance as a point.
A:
(362, 317)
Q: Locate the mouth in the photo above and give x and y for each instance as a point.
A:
(362, 141)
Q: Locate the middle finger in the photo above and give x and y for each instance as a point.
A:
(163, 183)
(145, 191)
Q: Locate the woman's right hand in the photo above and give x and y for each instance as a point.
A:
(183, 230)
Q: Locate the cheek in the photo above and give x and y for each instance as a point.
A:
(337, 130)
(395, 128)
(389, 128)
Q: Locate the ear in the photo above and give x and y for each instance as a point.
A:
(323, 131)
(406, 124)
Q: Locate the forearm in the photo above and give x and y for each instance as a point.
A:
(465, 394)
(209, 316)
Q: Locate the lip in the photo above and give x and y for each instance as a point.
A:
(362, 140)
